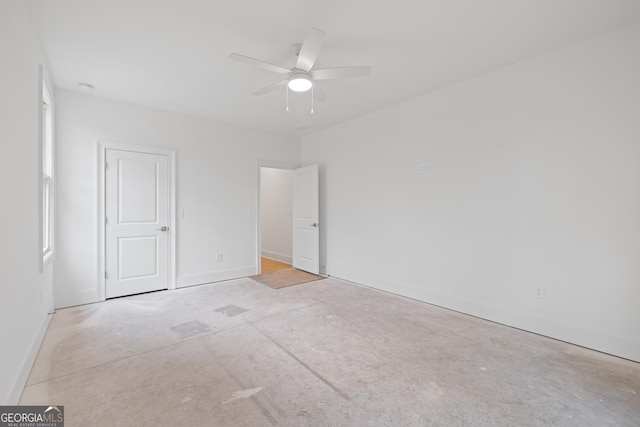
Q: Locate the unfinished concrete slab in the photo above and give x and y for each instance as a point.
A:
(323, 353)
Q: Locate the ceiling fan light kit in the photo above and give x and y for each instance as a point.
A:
(299, 81)
(302, 77)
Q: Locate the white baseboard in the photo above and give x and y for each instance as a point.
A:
(215, 276)
(596, 339)
(288, 259)
(23, 375)
(78, 297)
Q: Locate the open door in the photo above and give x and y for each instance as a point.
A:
(306, 233)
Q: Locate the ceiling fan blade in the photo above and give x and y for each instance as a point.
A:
(271, 87)
(340, 72)
(259, 63)
(318, 93)
(310, 49)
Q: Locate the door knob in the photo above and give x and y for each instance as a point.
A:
(163, 228)
(315, 224)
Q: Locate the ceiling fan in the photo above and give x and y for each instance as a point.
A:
(303, 76)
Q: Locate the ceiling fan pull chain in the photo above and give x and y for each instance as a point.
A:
(287, 98)
(311, 99)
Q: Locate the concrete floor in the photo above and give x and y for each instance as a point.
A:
(325, 353)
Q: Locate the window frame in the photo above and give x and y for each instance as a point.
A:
(47, 178)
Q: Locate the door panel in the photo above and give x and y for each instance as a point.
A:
(138, 257)
(137, 207)
(137, 195)
(306, 235)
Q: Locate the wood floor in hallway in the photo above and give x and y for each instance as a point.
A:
(270, 265)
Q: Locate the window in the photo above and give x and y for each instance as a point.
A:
(47, 176)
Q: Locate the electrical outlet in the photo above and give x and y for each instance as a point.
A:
(219, 257)
(539, 292)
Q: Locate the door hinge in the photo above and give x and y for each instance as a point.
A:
(106, 276)
(106, 165)
(106, 220)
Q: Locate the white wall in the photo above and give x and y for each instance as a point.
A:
(25, 292)
(217, 179)
(535, 182)
(276, 204)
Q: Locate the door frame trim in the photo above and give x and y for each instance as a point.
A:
(102, 147)
(272, 165)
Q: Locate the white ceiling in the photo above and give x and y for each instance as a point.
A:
(172, 54)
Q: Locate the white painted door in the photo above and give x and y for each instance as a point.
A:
(137, 220)
(306, 233)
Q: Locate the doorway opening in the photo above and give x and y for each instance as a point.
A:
(276, 219)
